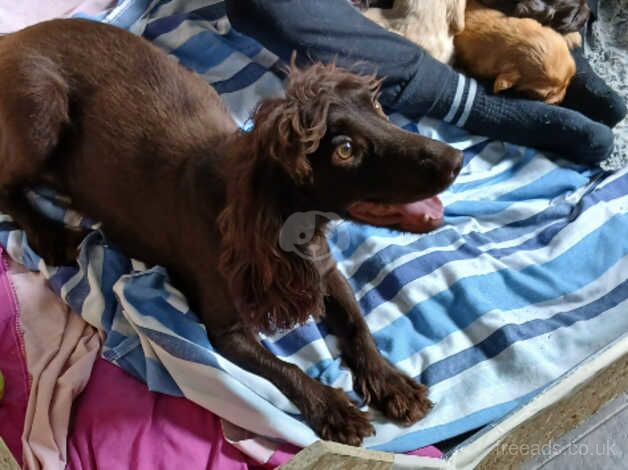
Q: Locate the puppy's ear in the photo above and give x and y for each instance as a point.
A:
(506, 80)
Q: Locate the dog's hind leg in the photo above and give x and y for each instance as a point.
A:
(34, 111)
(51, 240)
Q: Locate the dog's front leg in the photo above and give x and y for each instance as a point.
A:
(396, 395)
(327, 410)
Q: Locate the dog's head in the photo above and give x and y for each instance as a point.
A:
(542, 69)
(324, 146)
(331, 138)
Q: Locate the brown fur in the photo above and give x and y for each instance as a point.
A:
(148, 148)
(516, 53)
(431, 24)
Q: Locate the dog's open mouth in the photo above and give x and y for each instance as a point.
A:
(418, 217)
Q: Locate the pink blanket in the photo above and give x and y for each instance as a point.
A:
(13, 366)
(46, 355)
(118, 423)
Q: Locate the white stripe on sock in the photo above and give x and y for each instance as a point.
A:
(473, 88)
(457, 98)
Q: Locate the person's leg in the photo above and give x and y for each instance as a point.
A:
(587, 92)
(590, 95)
(416, 84)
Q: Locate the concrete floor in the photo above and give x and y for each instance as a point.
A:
(600, 443)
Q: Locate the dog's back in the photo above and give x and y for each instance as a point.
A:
(70, 110)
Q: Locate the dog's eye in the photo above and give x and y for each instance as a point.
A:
(344, 151)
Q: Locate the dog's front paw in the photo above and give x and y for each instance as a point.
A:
(397, 396)
(337, 419)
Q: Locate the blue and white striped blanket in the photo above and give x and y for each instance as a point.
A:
(527, 278)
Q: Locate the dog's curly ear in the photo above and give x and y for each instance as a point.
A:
(289, 133)
(273, 288)
(506, 80)
(291, 128)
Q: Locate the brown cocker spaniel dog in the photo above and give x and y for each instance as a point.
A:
(148, 148)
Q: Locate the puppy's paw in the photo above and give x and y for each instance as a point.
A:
(337, 419)
(397, 396)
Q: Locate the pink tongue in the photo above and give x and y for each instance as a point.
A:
(419, 217)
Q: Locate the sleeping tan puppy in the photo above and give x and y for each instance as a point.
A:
(431, 24)
(517, 53)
